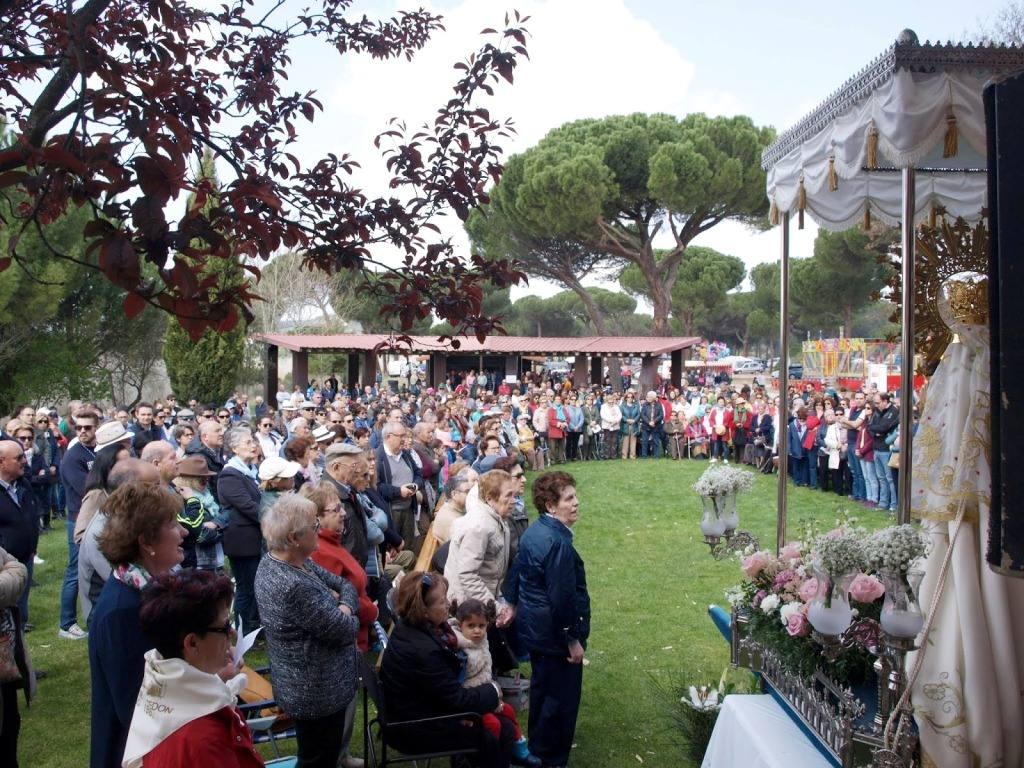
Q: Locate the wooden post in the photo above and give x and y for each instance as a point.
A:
(271, 383)
(300, 369)
(597, 370)
(675, 370)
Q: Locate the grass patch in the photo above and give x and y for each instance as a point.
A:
(650, 577)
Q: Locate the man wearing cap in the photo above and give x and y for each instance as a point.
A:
(344, 462)
(73, 470)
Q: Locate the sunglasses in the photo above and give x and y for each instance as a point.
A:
(25, 438)
(42, 421)
(223, 416)
(84, 428)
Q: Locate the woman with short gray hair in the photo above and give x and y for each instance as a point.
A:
(311, 624)
(238, 493)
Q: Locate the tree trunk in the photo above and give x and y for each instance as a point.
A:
(847, 321)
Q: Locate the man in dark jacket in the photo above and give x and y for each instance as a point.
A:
(400, 482)
(343, 461)
(19, 512)
(652, 420)
(143, 430)
(209, 443)
(74, 468)
(885, 420)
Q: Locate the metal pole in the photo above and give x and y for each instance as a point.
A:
(782, 419)
(907, 347)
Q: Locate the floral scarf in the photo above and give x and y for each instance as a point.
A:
(132, 575)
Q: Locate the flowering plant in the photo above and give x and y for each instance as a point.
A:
(895, 548)
(720, 479)
(694, 708)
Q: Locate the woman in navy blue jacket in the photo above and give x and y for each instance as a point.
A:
(546, 589)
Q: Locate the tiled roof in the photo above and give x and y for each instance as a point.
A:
(498, 345)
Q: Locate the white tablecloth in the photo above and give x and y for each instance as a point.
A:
(755, 732)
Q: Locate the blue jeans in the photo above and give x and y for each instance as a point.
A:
(886, 485)
(867, 468)
(69, 592)
(799, 466)
(858, 489)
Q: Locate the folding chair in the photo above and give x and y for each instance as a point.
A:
(384, 728)
(263, 715)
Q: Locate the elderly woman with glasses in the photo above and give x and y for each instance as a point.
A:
(185, 712)
(421, 677)
(310, 618)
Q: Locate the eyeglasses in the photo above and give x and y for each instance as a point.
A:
(223, 416)
(25, 438)
(227, 630)
(84, 428)
(42, 421)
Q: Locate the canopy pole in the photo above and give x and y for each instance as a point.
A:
(782, 418)
(907, 346)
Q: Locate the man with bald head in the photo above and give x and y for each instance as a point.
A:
(162, 456)
(19, 512)
(93, 568)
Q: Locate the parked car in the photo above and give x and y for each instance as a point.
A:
(796, 371)
(747, 366)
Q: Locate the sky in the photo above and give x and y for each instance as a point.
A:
(592, 58)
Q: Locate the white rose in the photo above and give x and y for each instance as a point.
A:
(770, 603)
(788, 610)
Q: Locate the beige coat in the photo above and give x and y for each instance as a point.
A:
(477, 553)
(13, 576)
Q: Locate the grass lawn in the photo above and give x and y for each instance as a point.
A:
(650, 577)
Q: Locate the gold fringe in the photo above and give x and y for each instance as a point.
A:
(872, 149)
(949, 146)
(833, 177)
(867, 217)
(773, 214)
(933, 217)
(801, 203)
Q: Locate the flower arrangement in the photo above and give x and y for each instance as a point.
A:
(777, 593)
(895, 549)
(719, 480)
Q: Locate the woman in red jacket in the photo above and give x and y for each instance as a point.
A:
(185, 713)
(333, 557)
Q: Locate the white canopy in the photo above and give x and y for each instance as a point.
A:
(917, 106)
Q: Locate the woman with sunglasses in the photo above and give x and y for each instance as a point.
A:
(420, 676)
(311, 621)
(185, 712)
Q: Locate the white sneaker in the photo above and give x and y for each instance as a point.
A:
(37, 560)
(74, 632)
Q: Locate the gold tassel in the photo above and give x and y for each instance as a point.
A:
(801, 203)
(773, 214)
(872, 149)
(933, 217)
(867, 217)
(949, 146)
(833, 178)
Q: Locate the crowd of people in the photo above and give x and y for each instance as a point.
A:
(333, 510)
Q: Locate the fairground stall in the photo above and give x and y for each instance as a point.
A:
(913, 140)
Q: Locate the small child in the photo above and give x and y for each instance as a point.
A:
(471, 620)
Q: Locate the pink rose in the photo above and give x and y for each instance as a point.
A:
(866, 589)
(790, 552)
(797, 625)
(808, 590)
(754, 564)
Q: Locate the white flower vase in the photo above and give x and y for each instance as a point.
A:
(711, 524)
(829, 610)
(901, 613)
(727, 511)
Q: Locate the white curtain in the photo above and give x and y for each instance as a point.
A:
(909, 113)
(967, 697)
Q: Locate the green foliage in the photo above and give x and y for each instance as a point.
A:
(842, 276)
(703, 280)
(608, 186)
(206, 369)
